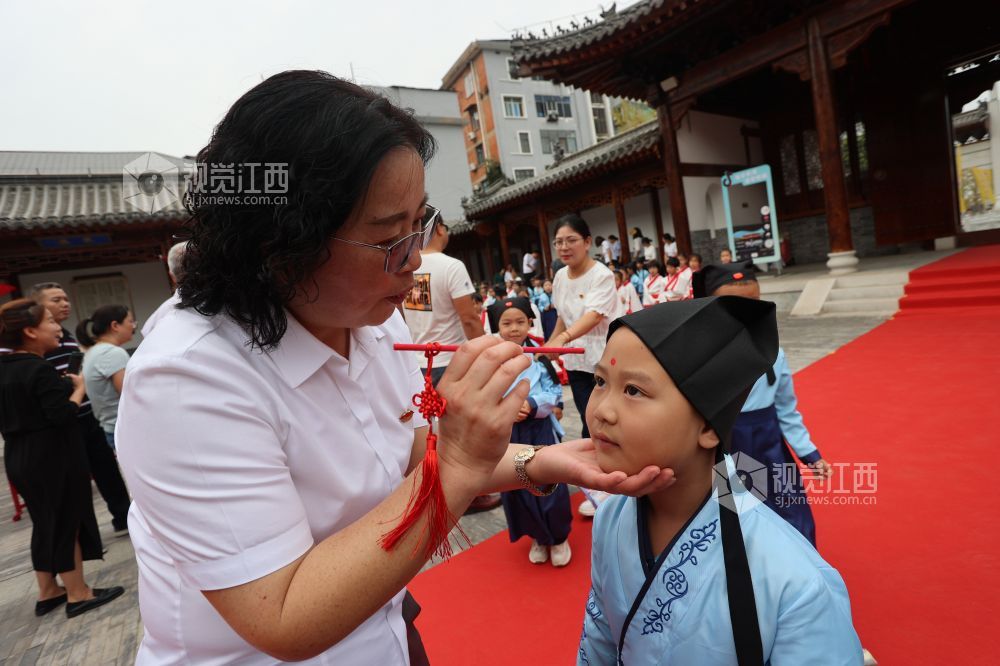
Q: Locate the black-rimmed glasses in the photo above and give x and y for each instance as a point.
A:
(398, 254)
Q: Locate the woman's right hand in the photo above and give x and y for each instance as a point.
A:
(77, 381)
(475, 428)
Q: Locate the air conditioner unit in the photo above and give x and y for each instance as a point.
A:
(473, 166)
(472, 136)
(552, 117)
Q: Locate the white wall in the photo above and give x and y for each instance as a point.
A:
(147, 282)
(703, 138)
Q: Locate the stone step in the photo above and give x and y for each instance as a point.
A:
(862, 306)
(857, 293)
(873, 279)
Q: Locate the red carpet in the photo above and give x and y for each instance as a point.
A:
(491, 606)
(966, 279)
(917, 396)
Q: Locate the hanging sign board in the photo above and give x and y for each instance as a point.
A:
(754, 234)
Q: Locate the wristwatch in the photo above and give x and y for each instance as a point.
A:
(521, 459)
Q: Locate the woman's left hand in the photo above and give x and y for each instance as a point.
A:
(575, 462)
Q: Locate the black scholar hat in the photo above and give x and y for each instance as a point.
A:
(711, 277)
(714, 349)
(501, 305)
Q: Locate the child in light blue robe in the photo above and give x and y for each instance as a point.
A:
(770, 416)
(546, 520)
(703, 572)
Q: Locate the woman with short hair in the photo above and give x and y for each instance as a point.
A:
(266, 426)
(46, 461)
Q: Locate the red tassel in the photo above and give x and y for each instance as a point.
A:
(428, 496)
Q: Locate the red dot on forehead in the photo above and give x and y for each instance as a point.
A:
(613, 361)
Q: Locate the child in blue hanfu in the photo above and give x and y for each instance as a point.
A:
(770, 417)
(547, 519)
(701, 572)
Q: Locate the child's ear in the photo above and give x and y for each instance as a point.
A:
(707, 438)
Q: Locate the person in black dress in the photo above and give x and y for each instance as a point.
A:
(45, 459)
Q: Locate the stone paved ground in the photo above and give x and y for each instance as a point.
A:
(111, 634)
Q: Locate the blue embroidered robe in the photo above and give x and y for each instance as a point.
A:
(802, 602)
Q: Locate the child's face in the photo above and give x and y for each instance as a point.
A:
(695, 263)
(618, 280)
(654, 271)
(726, 256)
(547, 287)
(637, 416)
(514, 326)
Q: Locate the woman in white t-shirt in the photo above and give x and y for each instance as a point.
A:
(105, 333)
(267, 428)
(669, 246)
(584, 295)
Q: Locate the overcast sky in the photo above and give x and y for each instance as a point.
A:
(158, 75)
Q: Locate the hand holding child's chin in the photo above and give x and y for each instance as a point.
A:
(579, 463)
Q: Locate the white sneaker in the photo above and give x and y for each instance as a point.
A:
(592, 498)
(538, 554)
(561, 554)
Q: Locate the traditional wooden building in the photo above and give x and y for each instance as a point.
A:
(72, 218)
(849, 101)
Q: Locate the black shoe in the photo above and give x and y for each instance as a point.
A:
(49, 605)
(119, 529)
(101, 597)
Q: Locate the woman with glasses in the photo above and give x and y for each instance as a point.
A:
(267, 427)
(585, 298)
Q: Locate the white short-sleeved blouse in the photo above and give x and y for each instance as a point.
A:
(594, 291)
(239, 461)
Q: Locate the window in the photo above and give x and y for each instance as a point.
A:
(480, 155)
(512, 69)
(789, 165)
(596, 98)
(524, 174)
(524, 142)
(474, 118)
(814, 168)
(564, 138)
(513, 106)
(600, 122)
(546, 104)
(470, 84)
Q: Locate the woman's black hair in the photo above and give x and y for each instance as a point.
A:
(673, 261)
(88, 330)
(668, 238)
(636, 232)
(574, 222)
(17, 315)
(250, 261)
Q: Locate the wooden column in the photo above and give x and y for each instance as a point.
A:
(543, 238)
(654, 197)
(675, 184)
(838, 219)
(619, 202)
(504, 248)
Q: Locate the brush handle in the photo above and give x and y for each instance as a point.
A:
(450, 348)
